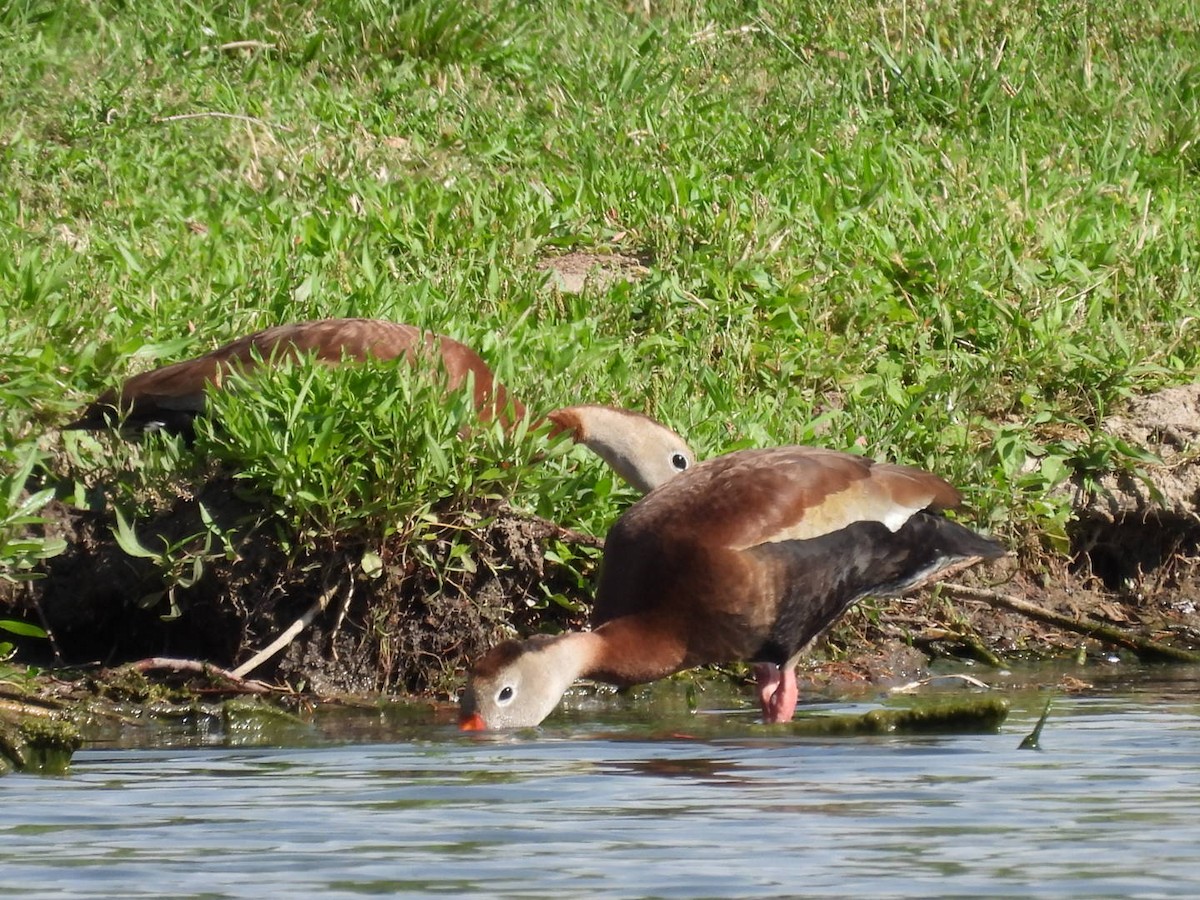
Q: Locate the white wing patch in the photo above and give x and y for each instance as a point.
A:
(862, 501)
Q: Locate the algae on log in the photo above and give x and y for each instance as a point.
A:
(974, 715)
(31, 741)
(960, 716)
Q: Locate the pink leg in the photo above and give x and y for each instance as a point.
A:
(768, 678)
(777, 692)
(783, 704)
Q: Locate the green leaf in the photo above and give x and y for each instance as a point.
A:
(127, 539)
(25, 629)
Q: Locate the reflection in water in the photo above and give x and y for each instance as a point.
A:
(1106, 809)
(702, 770)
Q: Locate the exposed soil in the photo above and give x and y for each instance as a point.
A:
(406, 629)
(410, 630)
(571, 272)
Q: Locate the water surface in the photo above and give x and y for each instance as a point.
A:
(616, 807)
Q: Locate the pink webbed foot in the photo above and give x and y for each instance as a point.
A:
(778, 692)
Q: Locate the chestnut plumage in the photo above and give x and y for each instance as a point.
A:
(170, 398)
(746, 557)
(643, 451)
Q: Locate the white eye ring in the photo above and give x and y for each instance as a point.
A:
(679, 461)
(505, 695)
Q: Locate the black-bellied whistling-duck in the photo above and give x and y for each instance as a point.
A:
(170, 398)
(746, 557)
(643, 451)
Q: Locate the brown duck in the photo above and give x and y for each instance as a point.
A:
(746, 557)
(642, 450)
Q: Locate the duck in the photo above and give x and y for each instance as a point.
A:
(745, 557)
(642, 450)
(170, 398)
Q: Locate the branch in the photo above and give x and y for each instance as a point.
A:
(219, 115)
(46, 627)
(199, 668)
(1145, 648)
(247, 45)
(289, 634)
(341, 617)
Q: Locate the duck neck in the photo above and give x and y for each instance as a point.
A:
(616, 437)
(633, 650)
(564, 658)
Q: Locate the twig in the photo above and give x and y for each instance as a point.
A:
(288, 635)
(58, 657)
(1032, 741)
(341, 617)
(1144, 647)
(247, 45)
(571, 536)
(50, 704)
(913, 686)
(199, 668)
(219, 115)
(982, 653)
(24, 708)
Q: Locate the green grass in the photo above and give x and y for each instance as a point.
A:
(954, 234)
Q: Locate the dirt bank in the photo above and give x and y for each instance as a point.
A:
(413, 625)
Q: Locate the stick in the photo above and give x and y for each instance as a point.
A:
(199, 668)
(22, 708)
(58, 657)
(341, 617)
(1145, 648)
(288, 635)
(571, 536)
(247, 45)
(219, 115)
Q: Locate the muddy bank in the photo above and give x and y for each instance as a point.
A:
(393, 618)
(404, 618)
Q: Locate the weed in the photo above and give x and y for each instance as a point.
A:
(20, 549)
(180, 563)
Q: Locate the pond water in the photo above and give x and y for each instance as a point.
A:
(613, 806)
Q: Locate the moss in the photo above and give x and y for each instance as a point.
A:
(37, 744)
(124, 684)
(972, 715)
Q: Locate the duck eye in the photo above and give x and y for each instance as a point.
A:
(505, 695)
(679, 461)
